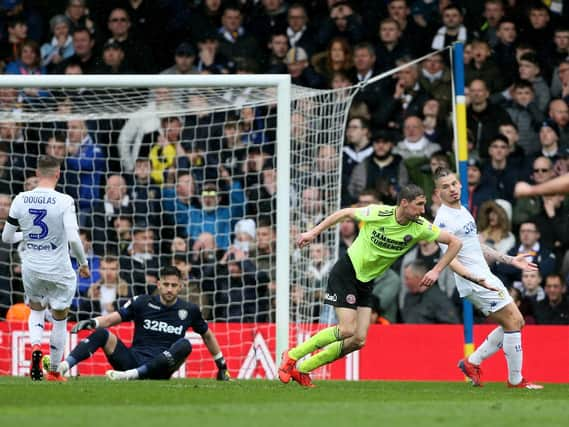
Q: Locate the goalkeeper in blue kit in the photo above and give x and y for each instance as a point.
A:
(159, 346)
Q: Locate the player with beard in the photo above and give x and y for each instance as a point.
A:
(476, 283)
(159, 346)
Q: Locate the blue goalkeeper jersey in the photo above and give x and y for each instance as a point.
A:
(157, 327)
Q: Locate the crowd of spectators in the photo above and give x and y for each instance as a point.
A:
(199, 191)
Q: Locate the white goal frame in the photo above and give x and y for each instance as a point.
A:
(281, 82)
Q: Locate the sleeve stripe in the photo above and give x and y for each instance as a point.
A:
(13, 221)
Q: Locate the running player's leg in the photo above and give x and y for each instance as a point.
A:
(36, 324)
(35, 293)
(60, 295)
(512, 321)
(339, 349)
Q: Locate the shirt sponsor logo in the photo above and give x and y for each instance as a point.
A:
(40, 247)
(158, 326)
(381, 240)
(329, 297)
(351, 299)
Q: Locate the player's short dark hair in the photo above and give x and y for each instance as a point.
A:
(441, 172)
(170, 270)
(410, 192)
(47, 165)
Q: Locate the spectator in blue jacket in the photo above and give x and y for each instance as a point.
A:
(211, 217)
(177, 202)
(86, 161)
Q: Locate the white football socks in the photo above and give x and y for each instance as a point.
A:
(514, 355)
(36, 323)
(57, 341)
(490, 346)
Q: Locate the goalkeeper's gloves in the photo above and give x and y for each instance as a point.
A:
(222, 372)
(85, 324)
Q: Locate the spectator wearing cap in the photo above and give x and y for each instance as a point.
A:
(61, 45)
(184, 58)
(210, 60)
(498, 172)
(383, 164)
(211, 217)
(549, 141)
(301, 71)
(245, 232)
(530, 70)
(138, 56)
(526, 114)
(114, 61)
(478, 191)
(298, 31)
(483, 117)
(234, 41)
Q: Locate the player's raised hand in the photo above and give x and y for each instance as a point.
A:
(429, 279)
(522, 189)
(84, 271)
(84, 324)
(520, 261)
(305, 239)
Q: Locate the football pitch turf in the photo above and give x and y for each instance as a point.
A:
(96, 402)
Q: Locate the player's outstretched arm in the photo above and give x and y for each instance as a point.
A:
(308, 236)
(106, 321)
(10, 233)
(454, 245)
(559, 185)
(491, 255)
(213, 347)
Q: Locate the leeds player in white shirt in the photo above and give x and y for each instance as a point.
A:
(476, 283)
(48, 223)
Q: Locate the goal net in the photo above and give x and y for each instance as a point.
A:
(203, 176)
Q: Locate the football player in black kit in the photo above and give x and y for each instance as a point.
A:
(159, 346)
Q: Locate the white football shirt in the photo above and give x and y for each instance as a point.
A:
(43, 214)
(461, 223)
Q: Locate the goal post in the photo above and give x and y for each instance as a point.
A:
(308, 134)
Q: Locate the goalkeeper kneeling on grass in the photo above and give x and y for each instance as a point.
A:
(159, 346)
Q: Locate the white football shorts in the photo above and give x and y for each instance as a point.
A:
(488, 301)
(46, 290)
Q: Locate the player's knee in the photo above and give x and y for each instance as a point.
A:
(100, 337)
(359, 341)
(181, 349)
(347, 331)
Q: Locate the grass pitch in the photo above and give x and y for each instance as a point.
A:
(95, 402)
